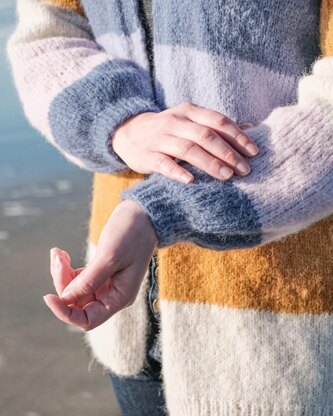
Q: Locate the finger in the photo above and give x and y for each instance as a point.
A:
(66, 255)
(88, 317)
(62, 274)
(56, 251)
(225, 127)
(88, 281)
(68, 314)
(163, 164)
(61, 271)
(194, 154)
(208, 140)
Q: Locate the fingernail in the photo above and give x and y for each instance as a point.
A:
(45, 300)
(66, 294)
(52, 254)
(57, 263)
(243, 168)
(226, 172)
(185, 178)
(252, 149)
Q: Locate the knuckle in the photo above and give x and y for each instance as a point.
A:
(206, 136)
(220, 120)
(185, 146)
(87, 287)
(214, 165)
(242, 139)
(172, 171)
(168, 119)
(159, 160)
(230, 157)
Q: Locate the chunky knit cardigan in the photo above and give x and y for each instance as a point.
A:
(245, 266)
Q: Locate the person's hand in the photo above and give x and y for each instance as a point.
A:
(88, 296)
(149, 142)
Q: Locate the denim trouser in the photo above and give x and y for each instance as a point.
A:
(142, 395)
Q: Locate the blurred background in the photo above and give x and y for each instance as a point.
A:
(45, 368)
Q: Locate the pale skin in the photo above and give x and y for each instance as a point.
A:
(148, 142)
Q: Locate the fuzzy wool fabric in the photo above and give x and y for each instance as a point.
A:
(245, 266)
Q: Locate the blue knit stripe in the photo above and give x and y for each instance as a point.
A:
(83, 115)
(268, 33)
(116, 16)
(231, 222)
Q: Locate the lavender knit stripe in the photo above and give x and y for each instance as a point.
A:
(215, 72)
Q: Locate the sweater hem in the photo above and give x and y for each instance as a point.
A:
(200, 407)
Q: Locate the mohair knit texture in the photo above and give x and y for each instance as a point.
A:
(245, 266)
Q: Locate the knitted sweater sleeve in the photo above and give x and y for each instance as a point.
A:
(289, 188)
(72, 90)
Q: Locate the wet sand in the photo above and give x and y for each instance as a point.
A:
(45, 368)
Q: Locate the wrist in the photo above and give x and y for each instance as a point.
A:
(140, 221)
(126, 128)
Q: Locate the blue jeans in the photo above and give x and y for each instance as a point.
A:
(142, 395)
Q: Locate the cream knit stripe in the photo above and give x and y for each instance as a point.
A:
(129, 328)
(268, 363)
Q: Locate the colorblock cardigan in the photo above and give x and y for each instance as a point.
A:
(245, 266)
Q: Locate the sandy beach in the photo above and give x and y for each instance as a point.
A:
(45, 368)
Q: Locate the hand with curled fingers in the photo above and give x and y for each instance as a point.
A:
(150, 142)
(88, 296)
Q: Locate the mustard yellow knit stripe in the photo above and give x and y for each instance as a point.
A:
(326, 27)
(73, 5)
(106, 196)
(293, 275)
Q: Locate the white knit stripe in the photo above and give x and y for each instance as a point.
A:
(275, 88)
(268, 363)
(38, 20)
(318, 85)
(127, 328)
(125, 47)
(296, 152)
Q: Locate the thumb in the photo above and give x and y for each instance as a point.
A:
(88, 281)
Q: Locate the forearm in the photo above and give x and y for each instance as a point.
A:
(289, 188)
(72, 91)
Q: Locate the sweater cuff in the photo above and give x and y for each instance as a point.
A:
(110, 119)
(154, 198)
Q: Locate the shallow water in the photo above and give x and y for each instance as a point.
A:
(25, 156)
